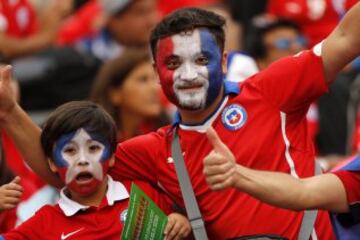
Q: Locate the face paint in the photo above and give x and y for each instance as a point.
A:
(82, 161)
(189, 66)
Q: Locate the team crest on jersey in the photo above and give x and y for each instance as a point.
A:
(234, 117)
(123, 215)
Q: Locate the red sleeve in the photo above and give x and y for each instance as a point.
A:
(291, 84)
(350, 3)
(136, 159)
(351, 181)
(33, 228)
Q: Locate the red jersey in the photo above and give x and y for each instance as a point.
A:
(17, 18)
(263, 122)
(71, 220)
(316, 18)
(351, 182)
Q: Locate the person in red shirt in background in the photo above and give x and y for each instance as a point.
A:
(23, 32)
(329, 115)
(317, 17)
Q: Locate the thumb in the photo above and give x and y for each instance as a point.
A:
(5, 74)
(215, 141)
(16, 180)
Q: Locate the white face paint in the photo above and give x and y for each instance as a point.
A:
(83, 154)
(190, 78)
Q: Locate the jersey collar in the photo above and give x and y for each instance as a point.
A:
(229, 88)
(116, 191)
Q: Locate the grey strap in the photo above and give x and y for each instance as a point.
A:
(192, 208)
(308, 221)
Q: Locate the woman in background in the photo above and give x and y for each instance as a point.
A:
(128, 89)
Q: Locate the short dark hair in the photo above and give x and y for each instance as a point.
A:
(75, 115)
(187, 19)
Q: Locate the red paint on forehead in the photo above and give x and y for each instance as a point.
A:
(165, 49)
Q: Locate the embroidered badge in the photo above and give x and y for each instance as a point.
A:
(234, 117)
(123, 216)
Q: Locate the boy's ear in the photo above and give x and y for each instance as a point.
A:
(112, 160)
(52, 165)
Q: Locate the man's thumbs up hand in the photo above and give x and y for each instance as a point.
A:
(219, 164)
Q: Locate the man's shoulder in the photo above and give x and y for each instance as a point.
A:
(149, 138)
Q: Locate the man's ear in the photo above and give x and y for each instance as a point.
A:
(52, 165)
(224, 62)
(112, 160)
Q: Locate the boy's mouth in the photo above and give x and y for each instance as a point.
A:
(84, 178)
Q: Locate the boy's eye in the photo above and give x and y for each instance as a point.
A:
(94, 148)
(202, 60)
(70, 150)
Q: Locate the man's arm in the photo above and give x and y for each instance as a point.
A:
(22, 130)
(278, 189)
(343, 44)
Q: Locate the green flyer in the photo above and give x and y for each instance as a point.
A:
(144, 220)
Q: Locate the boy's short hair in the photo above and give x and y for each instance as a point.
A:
(75, 115)
(188, 19)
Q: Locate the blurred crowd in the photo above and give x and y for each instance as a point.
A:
(98, 50)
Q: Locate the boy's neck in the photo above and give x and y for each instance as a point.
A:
(94, 199)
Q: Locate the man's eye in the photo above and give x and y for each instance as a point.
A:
(202, 60)
(172, 64)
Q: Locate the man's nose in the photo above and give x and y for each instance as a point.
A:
(188, 72)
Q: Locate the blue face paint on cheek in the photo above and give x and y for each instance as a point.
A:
(210, 48)
(59, 146)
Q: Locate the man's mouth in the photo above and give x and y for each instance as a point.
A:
(84, 178)
(190, 88)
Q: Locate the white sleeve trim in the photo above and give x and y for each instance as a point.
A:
(317, 49)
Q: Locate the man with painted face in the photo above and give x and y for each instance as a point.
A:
(79, 140)
(262, 121)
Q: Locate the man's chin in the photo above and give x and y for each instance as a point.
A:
(191, 107)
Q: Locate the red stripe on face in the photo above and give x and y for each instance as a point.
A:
(165, 49)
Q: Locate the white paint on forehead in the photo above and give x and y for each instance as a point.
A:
(186, 44)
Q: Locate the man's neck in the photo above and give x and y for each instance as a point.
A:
(196, 117)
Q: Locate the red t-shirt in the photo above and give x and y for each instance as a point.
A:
(17, 18)
(317, 18)
(70, 220)
(263, 122)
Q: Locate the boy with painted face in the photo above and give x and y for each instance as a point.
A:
(79, 139)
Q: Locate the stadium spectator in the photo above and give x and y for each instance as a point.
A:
(22, 32)
(128, 89)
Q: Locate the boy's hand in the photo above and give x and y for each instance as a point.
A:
(178, 227)
(10, 194)
(219, 164)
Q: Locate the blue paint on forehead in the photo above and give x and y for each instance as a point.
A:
(107, 148)
(211, 50)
